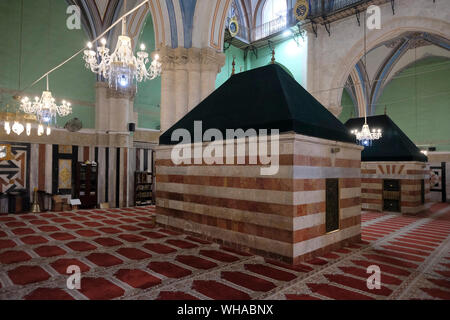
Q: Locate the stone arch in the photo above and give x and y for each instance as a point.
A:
(218, 16)
(390, 29)
(244, 12)
(204, 13)
(406, 67)
(166, 22)
(399, 71)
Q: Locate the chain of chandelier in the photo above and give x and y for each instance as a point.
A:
(121, 68)
(365, 136)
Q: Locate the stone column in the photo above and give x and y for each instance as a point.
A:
(168, 106)
(188, 76)
(194, 78)
(120, 108)
(101, 107)
(114, 108)
(181, 83)
(114, 111)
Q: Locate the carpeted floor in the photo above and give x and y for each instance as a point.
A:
(122, 256)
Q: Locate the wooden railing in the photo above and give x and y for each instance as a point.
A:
(284, 20)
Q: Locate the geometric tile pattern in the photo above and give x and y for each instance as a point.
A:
(14, 170)
(123, 256)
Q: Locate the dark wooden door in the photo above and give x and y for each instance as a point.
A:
(86, 185)
(391, 195)
(332, 205)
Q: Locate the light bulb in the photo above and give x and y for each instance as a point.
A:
(142, 47)
(89, 45)
(7, 127)
(40, 131)
(48, 130)
(28, 126)
(103, 41)
(17, 128)
(123, 80)
(156, 56)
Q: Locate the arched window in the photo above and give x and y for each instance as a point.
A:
(274, 18)
(273, 10)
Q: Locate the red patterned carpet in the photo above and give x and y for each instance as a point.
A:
(122, 256)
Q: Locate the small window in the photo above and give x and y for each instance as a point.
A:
(422, 191)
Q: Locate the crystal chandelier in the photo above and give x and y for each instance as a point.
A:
(365, 136)
(121, 68)
(45, 108)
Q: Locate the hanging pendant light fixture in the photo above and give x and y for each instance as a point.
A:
(365, 137)
(45, 108)
(121, 68)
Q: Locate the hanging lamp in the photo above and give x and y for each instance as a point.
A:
(365, 136)
(121, 68)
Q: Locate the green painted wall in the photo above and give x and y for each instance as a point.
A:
(148, 98)
(241, 64)
(423, 114)
(46, 42)
(348, 108)
(288, 53)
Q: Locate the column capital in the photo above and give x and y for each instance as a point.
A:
(212, 60)
(119, 93)
(172, 58)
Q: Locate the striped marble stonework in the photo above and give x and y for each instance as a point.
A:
(410, 176)
(280, 216)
